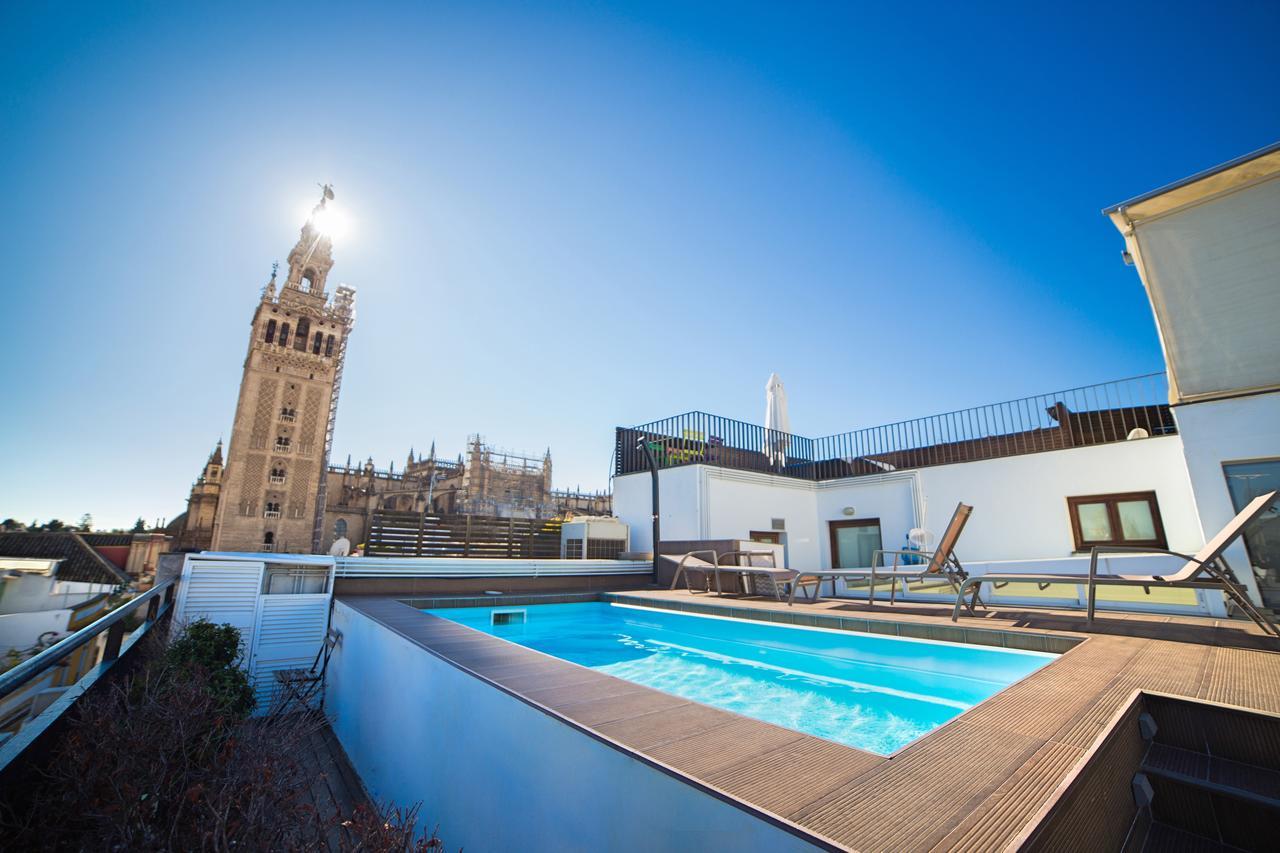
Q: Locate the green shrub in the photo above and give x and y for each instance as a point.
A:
(214, 651)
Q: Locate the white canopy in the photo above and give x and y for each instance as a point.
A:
(777, 425)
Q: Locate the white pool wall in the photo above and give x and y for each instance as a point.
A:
(498, 774)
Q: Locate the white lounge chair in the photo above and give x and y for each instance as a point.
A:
(694, 562)
(1207, 569)
(941, 563)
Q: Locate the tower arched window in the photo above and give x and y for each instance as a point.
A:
(304, 331)
(284, 334)
(269, 541)
(271, 331)
(328, 346)
(308, 279)
(315, 345)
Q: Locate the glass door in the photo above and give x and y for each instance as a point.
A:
(1245, 481)
(854, 542)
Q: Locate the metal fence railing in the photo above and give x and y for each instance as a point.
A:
(1075, 417)
(104, 640)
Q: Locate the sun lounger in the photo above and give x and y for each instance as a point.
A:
(940, 564)
(1206, 570)
(694, 562)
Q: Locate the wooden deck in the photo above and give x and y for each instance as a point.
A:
(336, 789)
(973, 784)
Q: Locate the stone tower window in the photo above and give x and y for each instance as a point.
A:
(271, 331)
(284, 334)
(269, 541)
(304, 331)
(308, 279)
(315, 345)
(328, 346)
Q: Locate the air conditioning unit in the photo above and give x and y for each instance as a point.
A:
(603, 538)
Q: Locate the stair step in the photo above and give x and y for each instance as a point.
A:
(1256, 785)
(1163, 838)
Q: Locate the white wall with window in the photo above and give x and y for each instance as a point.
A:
(1225, 444)
(1021, 509)
(1027, 510)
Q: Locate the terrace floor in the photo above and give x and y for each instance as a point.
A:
(973, 784)
(335, 786)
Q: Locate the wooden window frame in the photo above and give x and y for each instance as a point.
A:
(772, 537)
(833, 526)
(1112, 502)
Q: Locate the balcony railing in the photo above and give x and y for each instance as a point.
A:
(1077, 417)
(282, 447)
(287, 417)
(276, 479)
(271, 513)
(107, 633)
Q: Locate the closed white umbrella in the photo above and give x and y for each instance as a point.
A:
(777, 425)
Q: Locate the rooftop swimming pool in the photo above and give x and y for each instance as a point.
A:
(863, 690)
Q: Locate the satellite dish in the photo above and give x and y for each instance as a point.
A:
(1136, 433)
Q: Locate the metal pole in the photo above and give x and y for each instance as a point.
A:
(653, 473)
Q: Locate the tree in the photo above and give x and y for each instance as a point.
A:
(10, 524)
(86, 522)
(139, 526)
(54, 525)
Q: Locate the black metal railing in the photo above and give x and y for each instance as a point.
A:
(1075, 417)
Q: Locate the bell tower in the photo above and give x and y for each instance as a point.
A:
(273, 482)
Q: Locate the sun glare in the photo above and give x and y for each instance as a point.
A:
(331, 222)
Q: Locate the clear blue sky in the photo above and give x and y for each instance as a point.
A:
(572, 216)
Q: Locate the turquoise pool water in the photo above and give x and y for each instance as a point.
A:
(871, 692)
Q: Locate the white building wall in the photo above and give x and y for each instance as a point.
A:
(30, 593)
(738, 502)
(1020, 502)
(498, 774)
(680, 505)
(1239, 429)
(892, 498)
(23, 630)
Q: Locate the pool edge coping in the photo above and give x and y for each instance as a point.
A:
(804, 833)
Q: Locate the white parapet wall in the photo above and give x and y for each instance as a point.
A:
(495, 773)
(456, 567)
(1020, 502)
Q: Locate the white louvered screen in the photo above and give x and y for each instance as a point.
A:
(221, 591)
(289, 633)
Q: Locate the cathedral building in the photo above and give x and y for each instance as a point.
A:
(193, 530)
(272, 495)
(277, 491)
(484, 482)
